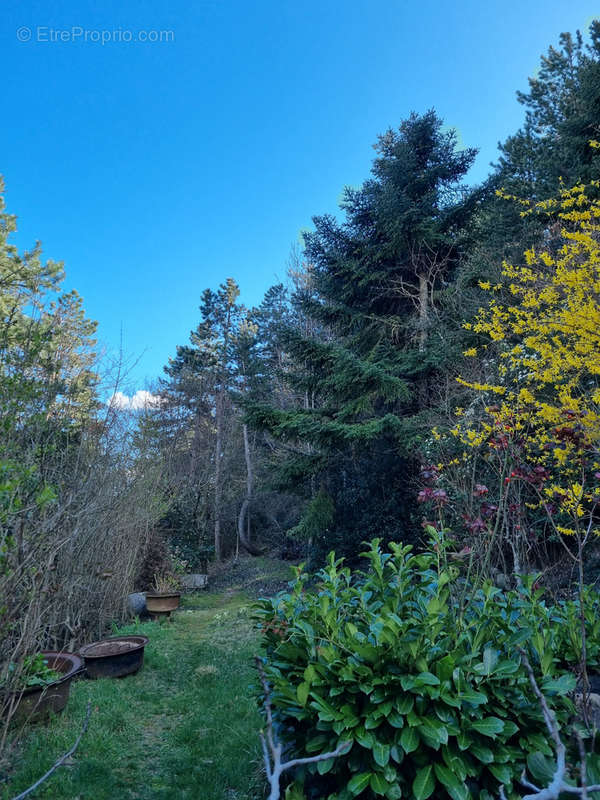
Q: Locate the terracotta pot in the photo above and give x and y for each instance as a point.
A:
(114, 657)
(162, 602)
(38, 702)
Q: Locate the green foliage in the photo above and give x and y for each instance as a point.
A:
(562, 116)
(361, 351)
(419, 671)
(46, 345)
(565, 627)
(316, 519)
(34, 671)
(342, 377)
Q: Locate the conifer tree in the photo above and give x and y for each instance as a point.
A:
(562, 117)
(372, 294)
(197, 393)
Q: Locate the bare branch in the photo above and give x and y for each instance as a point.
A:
(557, 785)
(272, 752)
(62, 759)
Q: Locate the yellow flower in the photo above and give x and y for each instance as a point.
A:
(565, 531)
(526, 397)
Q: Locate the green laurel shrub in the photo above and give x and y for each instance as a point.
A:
(420, 671)
(568, 644)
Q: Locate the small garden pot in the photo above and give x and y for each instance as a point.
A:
(162, 603)
(37, 702)
(114, 657)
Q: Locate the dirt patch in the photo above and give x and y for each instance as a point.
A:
(110, 648)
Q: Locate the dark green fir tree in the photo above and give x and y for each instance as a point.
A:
(364, 372)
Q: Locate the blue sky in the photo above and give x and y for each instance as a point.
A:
(156, 169)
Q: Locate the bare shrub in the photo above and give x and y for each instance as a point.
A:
(70, 555)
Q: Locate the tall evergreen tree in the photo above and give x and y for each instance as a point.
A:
(215, 335)
(196, 404)
(562, 117)
(375, 279)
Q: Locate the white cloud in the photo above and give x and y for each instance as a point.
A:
(137, 402)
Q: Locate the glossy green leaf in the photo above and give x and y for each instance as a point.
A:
(473, 697)
(364, 738)
(490, 659)
(456, 788)
(427, 679)
(324, 766)
(483, 754)
(541, 768)
(378, 784)
(501, 772)
(359, 782)
(395, 719)
(489, 726)
(433, 732)
(394, 792)
(381, 753)
(404, 704)
(562, 685)
(409, 740)
(424, 783)
(302, 692)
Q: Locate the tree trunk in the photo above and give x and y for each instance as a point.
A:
(220, 414)
(423, 311)
(218, 487)
(244, 510)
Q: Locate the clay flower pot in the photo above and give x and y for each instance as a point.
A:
(162, 603)
(114, 657)
(37, 702)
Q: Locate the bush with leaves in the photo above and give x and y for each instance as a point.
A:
(569, 645)
(418, 669)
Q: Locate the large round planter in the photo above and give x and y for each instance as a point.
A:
(136, 605)
(114, 657)
(38, 702)
(162, 602)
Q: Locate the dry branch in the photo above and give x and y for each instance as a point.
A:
(59, 762)
(557, 785)
(271, 748)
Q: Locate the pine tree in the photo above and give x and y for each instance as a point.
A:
(372, 294)
(47, 349)
(562, 117)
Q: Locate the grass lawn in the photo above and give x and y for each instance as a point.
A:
(186, 726)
